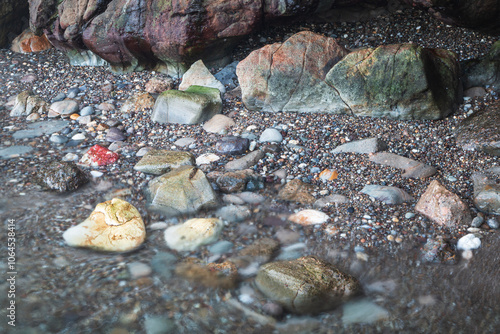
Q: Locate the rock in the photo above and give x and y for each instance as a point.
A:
(139, 269)
(309, 217)
(193, 233)
(198, 74)
(29, 78)
(331, 199)
(363, 146)
(261, 251)
(363, 311)
(155, 324)
(85, 120)
(487, 193)
(33, 117)
(271, 135)
(14, 151)
(114, 134)
(221, 247)
(306, 285)
(245, 162)
(138, 102)
(328, 175)
(35, 103)
(251, 198)
(58, 139)
(164, 264)
(194, 105)
(480, 131)
(219, 124)
(484, 71)
(232, 145)
(234, 213)
(183, 190)
(87, 111)
(227, 76)
(238, 181)
(388, 195)
(438, 251)
(98, 156)
(28, 42)
(215, 275)
(291, 76)
(157, 85)
(475, 92)
(183, 142)
(411, 82)
(159, 162)
(61, 177)
(443, 207)
(481, 15)
(13, 14)
(20, 104)
(413, 169)
(64, 108)
(297, 191)
(206, 159)
(113, 226)
(41, 128)
(468, 242)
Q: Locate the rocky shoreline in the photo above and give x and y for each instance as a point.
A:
(387, 247)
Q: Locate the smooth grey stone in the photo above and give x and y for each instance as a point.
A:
(14, 151)
(388, 195)
(58, 139)
(87, 111)
(41, 128)
(115, 134)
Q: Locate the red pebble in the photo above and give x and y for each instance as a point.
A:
(101, 155)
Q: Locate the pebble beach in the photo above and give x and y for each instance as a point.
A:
(71, 290)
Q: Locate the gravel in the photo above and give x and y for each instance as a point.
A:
(89, 292)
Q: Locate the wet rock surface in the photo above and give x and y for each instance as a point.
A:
(61, 177)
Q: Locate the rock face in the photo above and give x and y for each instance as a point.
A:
(312, 73)
(479, 15)
(159, 162)
(484, 71)
(401, 81)
(306, 285)
(11, 14)
(61, 177)
(443, 207)
(481, 131)
(487, 192)
(194, 105)
(114, 226)
(291, 76)
(193, 233)
(184, 190)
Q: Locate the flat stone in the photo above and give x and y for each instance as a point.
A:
(232, 145)
(309, 217)
(139, 269)
(87, 111)
(443, 207)
(238, 181)
(480, 131)
(363, 311)
(363, 146)
(206, 159)
(234, 213)
(413, 168)
(245, 162)
(139, 102)
(183, 190)
(98, 156)
(65, 107)
(251, 198)
(184, 142)
(41, 128)
(306, 285)
(388, 195)
(331, 199)
(58, 139)
(193, 233)
(113, 226)
(14, 151)
(159, 162)
(114, 134)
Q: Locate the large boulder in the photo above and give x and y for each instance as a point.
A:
(290, 76)
(402, 81)
(133, 34)
(480, 15)
(11, 23)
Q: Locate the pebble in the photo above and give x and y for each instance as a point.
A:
(139, 269)
(96, 173)
(193, 233)
(115, 134)
(233, 213)
(78, 136)
(363, 311)
(219, 124)
(232, 145)
(493, 223)
(477, 221)
(33, 117)
(251, 197)
(271, 135)
(142, 152)
(206, 159)
(409, 215)
(388, 195)
(65, 107)
(221, 247)
(59, 97)
(58, 139)
(87, 111)
(70, 157)
(468, 242)
(184, 141)
(245, 162)
(156, 324)
(309, 217)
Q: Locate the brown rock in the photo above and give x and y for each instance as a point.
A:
(297, 191)
(443, 207)
(157, 85)
(138, 102)
(216, 275)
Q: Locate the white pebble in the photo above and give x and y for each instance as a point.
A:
(468, 242)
